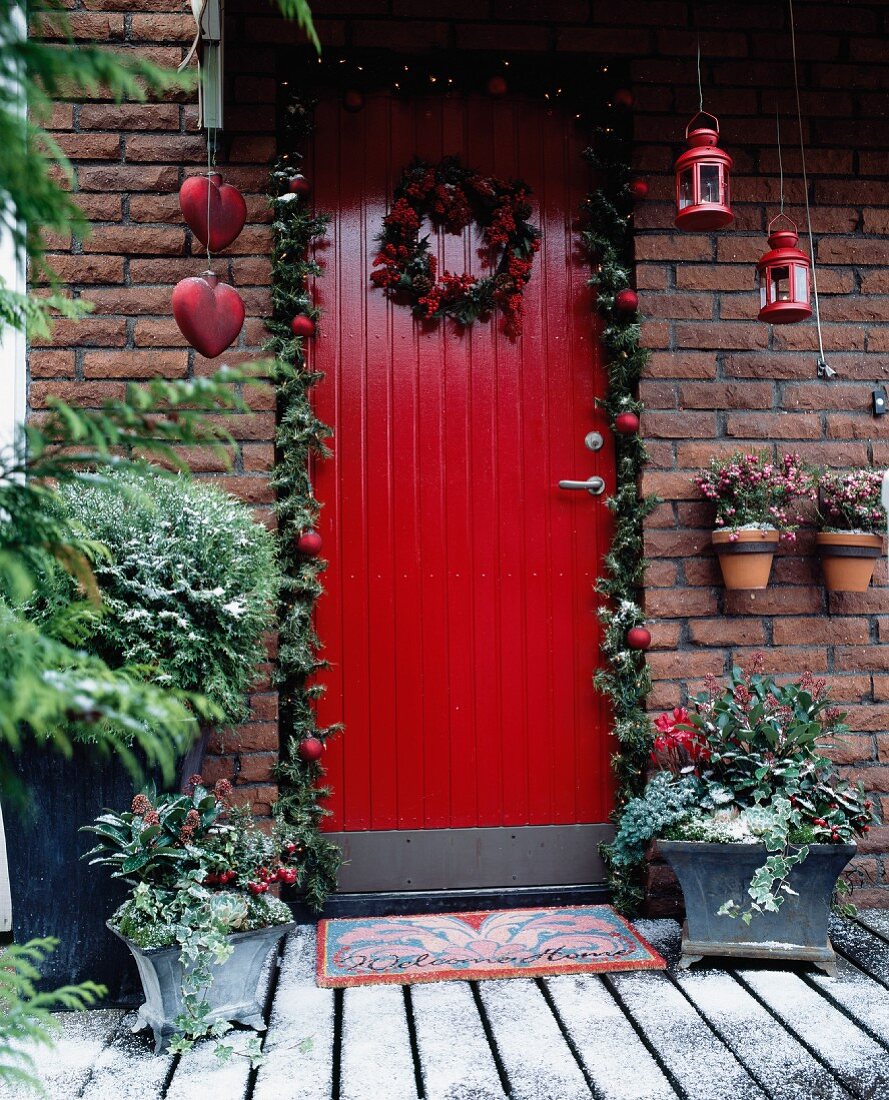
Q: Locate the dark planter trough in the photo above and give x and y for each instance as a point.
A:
(710, 874)
(232, 996)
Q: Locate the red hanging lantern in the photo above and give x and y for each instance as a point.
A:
(703, 178)
(783, 277)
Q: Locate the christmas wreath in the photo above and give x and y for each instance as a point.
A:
(452, 197)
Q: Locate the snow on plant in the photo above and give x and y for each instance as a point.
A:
(199, 869)
(751, 490)
(744, 765)
(188, 586)
(851, 502)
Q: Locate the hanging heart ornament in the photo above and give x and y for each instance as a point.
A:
(209, 313)
(214, 211)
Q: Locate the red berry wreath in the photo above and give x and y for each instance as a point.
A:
(452, 197)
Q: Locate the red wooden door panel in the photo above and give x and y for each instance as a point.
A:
(460, 618)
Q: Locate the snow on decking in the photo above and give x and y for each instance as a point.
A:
(735, 1032)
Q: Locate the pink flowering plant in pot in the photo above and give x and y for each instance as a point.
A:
(851, 522)
(754, 817)
(757, 501)
(201, 907)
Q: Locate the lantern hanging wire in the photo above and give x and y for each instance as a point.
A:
(824, 371)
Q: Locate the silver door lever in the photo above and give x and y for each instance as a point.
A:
(594, 485)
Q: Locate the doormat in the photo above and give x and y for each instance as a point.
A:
(492, 943)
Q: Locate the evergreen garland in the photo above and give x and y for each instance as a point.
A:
(625, 678)
(300, 434)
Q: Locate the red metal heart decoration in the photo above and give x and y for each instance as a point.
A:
(212, 209)
(209, 313)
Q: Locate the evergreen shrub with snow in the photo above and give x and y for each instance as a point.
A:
(188, 587)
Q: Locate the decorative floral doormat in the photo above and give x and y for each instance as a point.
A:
(499, 943)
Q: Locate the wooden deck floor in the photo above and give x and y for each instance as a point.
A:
(711, 1033)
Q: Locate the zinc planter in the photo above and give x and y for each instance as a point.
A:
(232, 995)
(848, 560)
(745, 557)
(710, 874)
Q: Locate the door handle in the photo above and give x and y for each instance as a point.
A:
(594, 485)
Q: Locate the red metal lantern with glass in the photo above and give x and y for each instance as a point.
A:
(783, 276)
(703, 178)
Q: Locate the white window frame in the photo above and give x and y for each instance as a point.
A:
(13, 342)
(13, 345)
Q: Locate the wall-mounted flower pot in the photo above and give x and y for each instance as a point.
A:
(745, 557)
(848, 560)
(710, 874)
(232, 996)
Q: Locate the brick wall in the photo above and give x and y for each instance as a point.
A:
(129, 162)
(718, 379)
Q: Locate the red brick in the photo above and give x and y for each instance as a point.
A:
(88, 394)
(79, 270)
(833, 631)
(90, 146)
(51, 364)
(136, 241)
(129, 116)
(726, 632)
(135, 364)
(166, 148)
(256, 767)
(728, 395)
(773, 425)
(88, 332)
(162, 28)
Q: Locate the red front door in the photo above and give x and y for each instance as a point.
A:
(459, 617)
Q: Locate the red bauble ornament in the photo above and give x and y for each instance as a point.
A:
(309, 544)
(626, 301)
(209, 313)
(214, 211)
(497, 86)
(299, 185)
(310, 749)
(626, 423)
(353, 100)
(623, 97)
(302, 325)
(638, 637)
(638, 188)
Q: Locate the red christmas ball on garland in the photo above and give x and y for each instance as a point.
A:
(299, 185)
(497, 86)
(302, 325)
(626, 423)
(638, 637)
(638, 188)
(310, 749)
(353, 101)
(623, 97)
(309, 544)
(626, 301)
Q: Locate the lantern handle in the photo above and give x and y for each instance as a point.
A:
(702, 114)
(777, 218)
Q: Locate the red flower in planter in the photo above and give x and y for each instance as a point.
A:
(678, 744)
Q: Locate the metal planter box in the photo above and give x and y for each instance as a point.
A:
(710, 874)
(232, 996)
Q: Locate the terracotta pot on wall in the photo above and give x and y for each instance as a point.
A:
(848, 560)
(746, 559)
